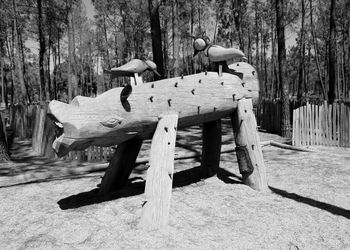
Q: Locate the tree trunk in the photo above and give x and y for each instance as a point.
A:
(176, 38)
(332, 54)
(19, 66)
(2, 103)
(54, 53)
(153, 8)
(193, 65)
(237, 19)
(48, 81)
(4, 154)
(11, 56)
(265, 66)
(41, 47)
(24, 67)
(165, 48)
(257, 55)
(281, 44)
(273, 56)
(316, 52)
(302, 53)
(343, 68)
(70, 49)
(107, 59)
(249, 46)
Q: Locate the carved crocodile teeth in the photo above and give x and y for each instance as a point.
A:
(58, 124)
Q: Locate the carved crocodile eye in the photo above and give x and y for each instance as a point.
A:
(112, 122)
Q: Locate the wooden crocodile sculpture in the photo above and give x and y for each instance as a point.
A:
(123, 113)
(126, 116)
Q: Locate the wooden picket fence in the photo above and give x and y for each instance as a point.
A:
(327, 125)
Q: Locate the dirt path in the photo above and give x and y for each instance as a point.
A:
(308, 207)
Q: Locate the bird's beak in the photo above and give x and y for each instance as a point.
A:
(155, 72)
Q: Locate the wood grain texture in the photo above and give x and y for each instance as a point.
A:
(197, 98)
(159, 180)
(120, 166)
(247, 138)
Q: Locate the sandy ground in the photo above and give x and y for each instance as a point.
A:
(307, 206)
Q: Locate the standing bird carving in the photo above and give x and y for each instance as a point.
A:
(216, 53)
(133, 69)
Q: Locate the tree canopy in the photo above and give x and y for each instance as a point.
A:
(56, 50)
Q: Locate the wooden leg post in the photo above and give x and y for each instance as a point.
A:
(120, 166)
(159, 181)
(211, 148)
(248, 148)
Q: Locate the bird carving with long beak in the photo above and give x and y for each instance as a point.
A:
(217, 54)
(133, 68)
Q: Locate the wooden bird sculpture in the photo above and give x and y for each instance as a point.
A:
(217, 54)
(133, 69)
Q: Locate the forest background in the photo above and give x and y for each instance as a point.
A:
(73, 49)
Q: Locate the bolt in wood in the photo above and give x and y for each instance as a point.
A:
(151, 98)
(152, 86)
(169, 102)
(222, 83)
(176, 85)
(243, 84)
(192, 91)
(200, 80)
(182, 76)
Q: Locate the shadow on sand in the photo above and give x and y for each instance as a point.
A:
(183, 178)
(311, 202)
(136, 186)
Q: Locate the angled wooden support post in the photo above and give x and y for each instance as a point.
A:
(159, 181)
(211, 148)
(248, 148)
(120, 166)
